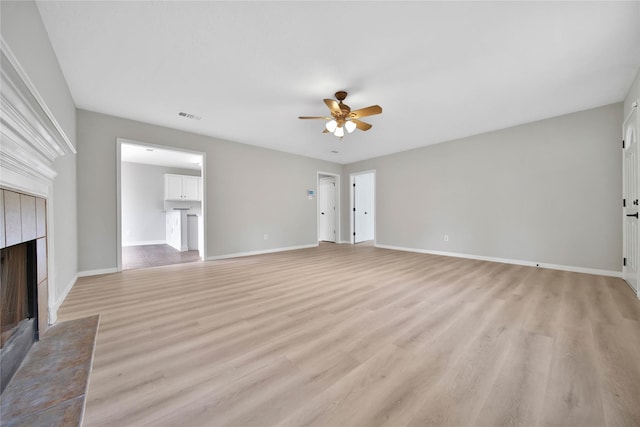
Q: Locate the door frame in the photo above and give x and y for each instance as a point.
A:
(633, 116)
(352, 218)
(203, 193)
(320, 174)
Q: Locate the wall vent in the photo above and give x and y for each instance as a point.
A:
(188, 115)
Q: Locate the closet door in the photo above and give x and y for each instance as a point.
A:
(630, 203)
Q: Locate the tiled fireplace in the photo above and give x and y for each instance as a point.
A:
(24, 308)
(31, 140)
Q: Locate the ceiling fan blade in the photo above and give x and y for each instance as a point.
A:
(364, 112)
(325, 130)
(361, 125)
(333, 106)
(314, 117)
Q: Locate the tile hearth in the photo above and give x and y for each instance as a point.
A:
(50, 386)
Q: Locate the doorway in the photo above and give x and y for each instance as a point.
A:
(328, 201)
(630, 203)
(161, 205)
(363, 204)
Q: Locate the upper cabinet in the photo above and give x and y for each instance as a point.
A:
(191, 187)
(172, 187)
(182, 187)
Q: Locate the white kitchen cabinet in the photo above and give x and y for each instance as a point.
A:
(183, 230)
(172, 187)
(176, 233)
(181, 187)
(191, 187)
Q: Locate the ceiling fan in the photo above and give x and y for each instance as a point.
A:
(343, 118)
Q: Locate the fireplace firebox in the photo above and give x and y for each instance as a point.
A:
(23, 278)
(18, 306)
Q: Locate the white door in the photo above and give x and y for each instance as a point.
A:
(363, 205)
(630, 199)
(327, 207)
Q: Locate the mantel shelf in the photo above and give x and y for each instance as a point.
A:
(31, 139)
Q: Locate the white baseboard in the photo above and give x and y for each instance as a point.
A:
(634, 291)
(145, 242)
(337, 242)
(261, 252)
(53, 313)
(97, 272)
(508, 261)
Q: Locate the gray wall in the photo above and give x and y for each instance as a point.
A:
(142, 196)
(250, 191)
(545, 192)
(24, 32)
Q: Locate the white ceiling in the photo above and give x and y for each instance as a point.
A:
(440, 70)
(151, 155)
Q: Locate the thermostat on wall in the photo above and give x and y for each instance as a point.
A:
(310, 194)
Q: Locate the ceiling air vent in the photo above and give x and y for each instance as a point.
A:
(189, 116)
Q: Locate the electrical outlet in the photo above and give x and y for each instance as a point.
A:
(266, 236)
(446, 237)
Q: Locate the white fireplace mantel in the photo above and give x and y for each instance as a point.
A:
(31, 139)
(30, 136)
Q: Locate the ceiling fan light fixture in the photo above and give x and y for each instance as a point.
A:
(342, 117)
(350, 126)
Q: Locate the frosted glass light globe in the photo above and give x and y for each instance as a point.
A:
(331, 125)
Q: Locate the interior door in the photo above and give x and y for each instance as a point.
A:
(327, 207)
(364, 214)
(630, 199)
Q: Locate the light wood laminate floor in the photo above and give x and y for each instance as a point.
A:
(360, 336)
(145, 256)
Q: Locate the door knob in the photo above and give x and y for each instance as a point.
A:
(635, 214)
(365, 213)
(321, 213)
